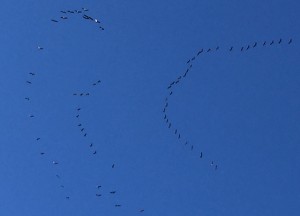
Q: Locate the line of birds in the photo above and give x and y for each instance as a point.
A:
(82, 129)
(30, 82)
(84, 16)
(188, 69)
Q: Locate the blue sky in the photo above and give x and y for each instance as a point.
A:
(241, 109)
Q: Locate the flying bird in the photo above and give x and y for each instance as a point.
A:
(169, 125)
(98, 81)
(31, 116)
(117, 205)
(67, 197)
(113, 166)
(248, 47)
(279, 42)
(201, 155)
(57, 176)
(79, 125)
(209, 50)
(95, 152)
(171, 93)
(272, 42)
(217, 48)
(82, 129)
(255, 44)
(242, 48)
(42, 153)
(216, 167)
(264, 44)
(98, 195)
(193, 58)
(99, 186)
(63, 12)
(64, 17)
(188, 61)
(85, 134)
(78, 109)
(38, 138)
(29, 82)
(192, 147)
(77, 116)
(32, 73)
(85, 9)
(231, 49)
(54, 162)
(40, 48)
(113, 192)
(200, 52)
(290, 41)
(97, 21)
(27, 98)
(142, 210)
(91, 144)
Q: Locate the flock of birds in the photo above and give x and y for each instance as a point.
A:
(82, 128)
(180, 78)
(84, 16)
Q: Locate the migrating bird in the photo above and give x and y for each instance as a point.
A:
(27, 98)
(279, 42)
(70, 11)
(101, 28)
(99, 186)
(97, 21)
(217, 48)
(264, 44)
(200, 52)
(29, 82)
(64, 17)
(78, 109)
(74, 94)
(85, 134)
(201, 155)
(113, 166)
(188, 61)
(79, 125)
(95, 152)
(242, 48)
(53, 20)
(248, 47)
(38, 139)
(255, 44)
(63, 12)
(91, 144)
(117, 205)
(193, 58)
(192, 147)
(231, 49)
(57, 176)
(40, 48)
(178, 136)
(171, 93)
(31, 116)
(77, 116)
(42, 153)
(32, 73)
(85, 9)
(98, 195)
(54, 162)
(67, 197)
(272, 42)
(113, 192)
(290, 41)
(87, 94)
(82, 129)
(209, 50)
(142, 210)
(169, 125)
(216, 167)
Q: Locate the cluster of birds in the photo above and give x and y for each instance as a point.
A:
(180, 78)
(78, 116)
(82, 12)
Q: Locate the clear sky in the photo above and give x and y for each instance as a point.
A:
(239, 108)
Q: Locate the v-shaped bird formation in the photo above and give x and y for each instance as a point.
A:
(175, 83)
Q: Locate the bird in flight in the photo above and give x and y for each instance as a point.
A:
(201, 155)
(117, 205)
(32, 73)
(54, 162)
(29, 82)
(113, 192)
(53, 20)
(231, 49)
(42, 153)
(142, 210)
(279, 42)
(27, 98)
(40, 48)
(98, 195)
(192, 147)
(67, 197)
(31, 116)
(79, 125)
(113, 166)
(38, 138)
(64, 17)
(200, 52)
(63, 12)
(272, 42)
(255, 44)
(290, 41)
(95, 152)
(99, 186)
(265, 43)
(91, 144)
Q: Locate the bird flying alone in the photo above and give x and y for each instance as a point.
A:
(40, 48)
(53, 20)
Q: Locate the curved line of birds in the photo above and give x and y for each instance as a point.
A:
(79, 12)
(82, 129)
(183, 75)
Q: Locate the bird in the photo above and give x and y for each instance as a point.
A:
(188, 61)
(192, 147)
(87, 94)
(279, 42)
(67, 197)
(200, 52)
(290, 41)
(164, 110)
(54, 162)
(77, 116)
(31, 116)
(70, 11)
(264, 44)
(81, 94)
(242, 48)
(165, 116)
(64, 17)
(201, 155)
(217, 48)
(97, 21)
(98, 81)
(193, 58)
(98, 195)
(79, 125)
(209, 50)
(255, 44)
(57, 176)
(38, 138)
(113, 166)
(91, 144)
(171, 93)
(85, 9)
(191, 65)
(95, 152)
(176, 131)
(178, 136)
(101, 28)
(42, 153)
(248, 47)
(40, 48)
(216, 167)
(99, 186)
(272, 42)
(53, 20)
(63, 12)
(74, 94)
(82, 129)
(231, 48)
(94, 84)
(29, 82)
(166, 104)
(186, 143)
(142, 210)
(85, 134)
(212, 163)
(169, 125)
(32, 73)
(113, 192)
(78, 109)
(62, 186)
(117, 205)
(27, 98)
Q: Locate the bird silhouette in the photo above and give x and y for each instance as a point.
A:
(32, 73)
(40, 48)
(27, 98)
(272, 42)
(201, 155)
(113, 166)
(117, 205)
(231, 48)
(64, 17)
(280, 40)
(95, 152)
(255, 44)
(290, 41)
(264, 44)
(98, 195)
(29, 82)
(113, 192)
(200, 52)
